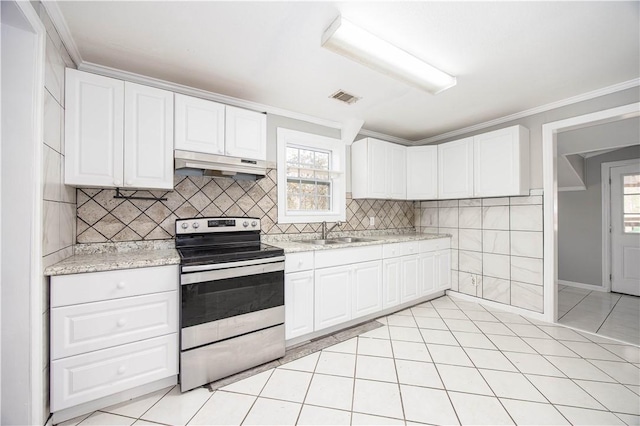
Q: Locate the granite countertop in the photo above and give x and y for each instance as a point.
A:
(113, 256)
(295, 246)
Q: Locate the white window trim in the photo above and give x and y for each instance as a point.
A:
(338, 157)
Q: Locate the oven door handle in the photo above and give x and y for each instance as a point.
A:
(211, 267)
(221, 274)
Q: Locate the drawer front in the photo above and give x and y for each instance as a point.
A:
(88, 327)
(409, 248)
(86, 377)
(391, 250)
(347, 256)
(296, 262)
(97, 286)
(433, 245)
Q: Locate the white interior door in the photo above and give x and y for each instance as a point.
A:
(625, 229)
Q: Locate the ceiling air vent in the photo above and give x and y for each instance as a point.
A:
(345, 97)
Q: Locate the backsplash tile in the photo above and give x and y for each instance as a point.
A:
(101, 218)
(496, 248)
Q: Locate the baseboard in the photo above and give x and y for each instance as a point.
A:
(583, 286)
(497, 305)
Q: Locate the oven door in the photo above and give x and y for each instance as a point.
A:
(231, 301)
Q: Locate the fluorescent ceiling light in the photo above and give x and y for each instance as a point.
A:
(344, 38)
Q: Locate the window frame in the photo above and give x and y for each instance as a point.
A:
(337, 150)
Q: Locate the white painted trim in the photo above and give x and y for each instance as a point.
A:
(583, 286)
(497, 305)
(550, 185)
(384, 137)
(532, 111)
(606, 216)
(572, 188)
(60, 24)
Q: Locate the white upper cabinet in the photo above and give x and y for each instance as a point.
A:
(378, 170)
(199, 125)
(501, 162)
(455, 169)
(148, 137)
(422, 172)
(94, 130)
(117, 134)
(245, 134)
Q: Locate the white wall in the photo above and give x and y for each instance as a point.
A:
(534, 124)
(580, 223)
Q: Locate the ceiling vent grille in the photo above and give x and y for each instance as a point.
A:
(345, 97)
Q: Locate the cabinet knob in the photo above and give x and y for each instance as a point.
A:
(220, 151)
(121, 285)
(117, 182)
(129, 182)
(300, 263)
(121, 322)
(121, 370)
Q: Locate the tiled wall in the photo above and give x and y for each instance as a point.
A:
(496, 246)
(59, 201)
(101, 218)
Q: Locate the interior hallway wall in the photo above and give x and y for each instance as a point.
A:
(580, 242)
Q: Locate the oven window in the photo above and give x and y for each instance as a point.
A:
(214, 300)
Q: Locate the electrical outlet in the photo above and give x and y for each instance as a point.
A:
(372, 221)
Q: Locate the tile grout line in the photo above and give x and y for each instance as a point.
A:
(609, 314)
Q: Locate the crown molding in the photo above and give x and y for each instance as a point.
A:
(60, 24)
(385, 137)
(537, 110)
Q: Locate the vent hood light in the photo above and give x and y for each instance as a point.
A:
(350, 41)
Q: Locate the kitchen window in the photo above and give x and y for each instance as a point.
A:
(311, 181)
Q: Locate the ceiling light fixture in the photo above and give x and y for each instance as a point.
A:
(350, 41)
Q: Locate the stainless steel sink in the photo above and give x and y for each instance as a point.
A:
(341, 240)
(352, 240)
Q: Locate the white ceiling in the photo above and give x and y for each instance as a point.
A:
(508, 56)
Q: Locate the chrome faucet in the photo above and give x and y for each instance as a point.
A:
(326, 231)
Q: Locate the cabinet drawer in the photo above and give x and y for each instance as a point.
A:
(96, 286)
(409, 248)
(88, 327)
(94, 375)
(433, 245)
(295, 262)
(391, 250)
(346, 256)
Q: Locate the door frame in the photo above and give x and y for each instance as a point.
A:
(606, 218)
(550, 194)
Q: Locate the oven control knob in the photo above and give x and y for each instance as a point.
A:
(185, 225)
(254, 223)
(245, 223)
(195, 225)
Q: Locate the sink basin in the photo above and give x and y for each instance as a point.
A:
(320, 242)
(351, 240)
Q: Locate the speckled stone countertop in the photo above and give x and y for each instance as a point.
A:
(112, 256)
(295, 245)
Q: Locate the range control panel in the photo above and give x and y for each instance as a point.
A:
(203, 225)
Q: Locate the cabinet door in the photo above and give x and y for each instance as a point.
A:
(148, 140)
(422, 172)
(332, 296)
(366, 288)
(443, 270)
(94, 130)
(427, 273)
(455, 169)
(409, 278)
(397, 171)
(391, 278)
(298, 304)
(497, 165)
(377, 169)
(245, 134)
(199, 125)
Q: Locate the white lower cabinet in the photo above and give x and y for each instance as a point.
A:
(391, 278)
(111, 332)
(298, 303)
(427, 273)
(366, 289)
(409, 273)
(332, 296)
(443, 269)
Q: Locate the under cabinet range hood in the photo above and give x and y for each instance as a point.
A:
(189, 163)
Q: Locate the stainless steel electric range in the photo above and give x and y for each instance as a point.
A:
(232, 298)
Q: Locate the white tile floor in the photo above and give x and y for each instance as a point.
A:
(607, 314)
(443, 362)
